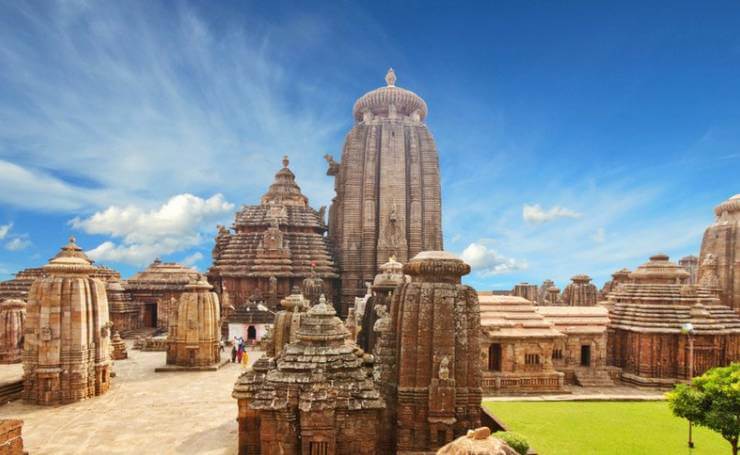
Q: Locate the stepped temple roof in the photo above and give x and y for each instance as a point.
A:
(509, 316)
(281, 237)
(17, 288)
(576, 319)
(658, 300)
(164, 276)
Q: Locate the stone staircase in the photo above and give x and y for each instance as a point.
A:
(10, 391)
(593, 378)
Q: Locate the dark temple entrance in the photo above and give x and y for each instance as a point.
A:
(585, 355)
(494, 357)
(150, 315)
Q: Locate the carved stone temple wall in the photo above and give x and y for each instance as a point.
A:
(432, 380)
(194, 334)
(12, 318)
(66, 355)
(722, 239)
(388, 279)
(388, 198)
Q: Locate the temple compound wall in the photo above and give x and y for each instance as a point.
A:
(388, 197)
(67, 332)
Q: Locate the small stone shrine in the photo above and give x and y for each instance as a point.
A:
(66, 357)
(12, 317)
(315, 397)
(388, 279)
(194, 334)
(525, 291)
(287, 322)
(118, 351)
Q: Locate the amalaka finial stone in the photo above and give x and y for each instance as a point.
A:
(286, 161)
(390, 78)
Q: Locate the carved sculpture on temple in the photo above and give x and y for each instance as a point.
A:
(430, 375)
(12, 319)
(722, 239)
(275, 246)
(388, 199)
(66, 356)
(389, 277)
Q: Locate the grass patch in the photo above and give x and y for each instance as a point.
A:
(604, 427)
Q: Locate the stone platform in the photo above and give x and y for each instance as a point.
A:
(143, 413)
(176, 368)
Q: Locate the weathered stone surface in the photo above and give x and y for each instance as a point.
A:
(274, 246)
(431, 376)
(647, 315)
(156, 291)
(580, 292)
(11, 439)
(66, 355)
(18, 287)
(315, 397)
(125, 315)
(388, 199)
(618, 277)
(691, 265)
(194, 334)
(12, 318)
(287, 322)
(722, 239)
(477, 442)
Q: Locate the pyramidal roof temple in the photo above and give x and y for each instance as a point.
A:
(388, 198)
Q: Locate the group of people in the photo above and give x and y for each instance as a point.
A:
(239, 352)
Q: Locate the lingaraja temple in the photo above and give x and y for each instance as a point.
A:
(272, 247)
(722, 240)
(388, 197)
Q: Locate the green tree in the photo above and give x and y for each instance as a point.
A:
(713, 401)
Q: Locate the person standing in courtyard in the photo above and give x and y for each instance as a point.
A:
(233, 353)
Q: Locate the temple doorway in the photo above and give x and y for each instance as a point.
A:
(494, 357)
(585, 355)
(150, 315)
(251, 333)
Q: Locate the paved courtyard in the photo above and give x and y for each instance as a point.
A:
(144, 412)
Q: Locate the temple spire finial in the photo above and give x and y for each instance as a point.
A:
(286, 161)
(390, 78)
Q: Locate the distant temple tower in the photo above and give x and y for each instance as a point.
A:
(272, 247)
(67, 333)
(387, 187)
(580, 292)
(722, 239)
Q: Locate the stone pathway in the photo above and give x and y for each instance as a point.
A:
(617, 393)
(144, 413)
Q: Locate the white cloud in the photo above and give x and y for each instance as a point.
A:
(176, 225)
(4, 229)
(488, 262)
(192, 259)
(599, 236)
(536, 214)
(17, 244)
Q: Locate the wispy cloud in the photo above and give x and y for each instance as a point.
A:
(17, 243)
(536, 214)
(192, 259)
(4, 229)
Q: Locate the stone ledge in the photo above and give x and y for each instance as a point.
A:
(177, 368)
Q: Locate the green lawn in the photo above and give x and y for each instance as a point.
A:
(612, 427)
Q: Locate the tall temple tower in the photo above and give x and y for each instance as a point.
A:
(387, 187)
(722, 241)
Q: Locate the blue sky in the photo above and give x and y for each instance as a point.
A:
(573, 138)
